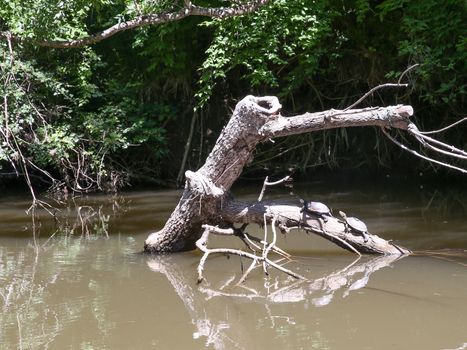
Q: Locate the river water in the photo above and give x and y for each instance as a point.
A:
(79, 281)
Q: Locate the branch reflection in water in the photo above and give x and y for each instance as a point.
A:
(26, 292)
(31, 275)
(203, 302)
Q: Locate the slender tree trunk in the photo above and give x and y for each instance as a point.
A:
(206, 198)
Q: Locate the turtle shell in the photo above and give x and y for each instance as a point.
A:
(357, 224)
(316, 207)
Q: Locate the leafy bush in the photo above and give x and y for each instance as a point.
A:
(66, 114)
(280, 53)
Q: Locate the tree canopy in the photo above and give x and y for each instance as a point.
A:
(120, 110)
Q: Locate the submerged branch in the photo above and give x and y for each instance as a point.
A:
(202, 245)
(290, 216)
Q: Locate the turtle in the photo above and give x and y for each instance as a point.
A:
(356, 225)
(316, 208)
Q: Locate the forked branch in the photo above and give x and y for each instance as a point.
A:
(428, 142)
(256, 259)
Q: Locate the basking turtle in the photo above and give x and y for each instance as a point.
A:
(355, 225)
(316, 208)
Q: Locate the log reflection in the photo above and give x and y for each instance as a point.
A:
(213, 308)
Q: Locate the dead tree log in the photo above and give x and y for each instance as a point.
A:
(206, 198)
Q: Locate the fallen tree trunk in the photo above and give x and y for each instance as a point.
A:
(291, 216)
(206, 198)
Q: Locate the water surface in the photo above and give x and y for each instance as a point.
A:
(80, 282)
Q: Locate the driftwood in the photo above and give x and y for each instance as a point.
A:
(206, 198)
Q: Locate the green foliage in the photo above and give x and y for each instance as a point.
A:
(362, 8)
(279, 46)
(65, 111)
(299, 40)
(325, 54)
(51, 19)
(24, 87)
(122, 106)
(435, 37)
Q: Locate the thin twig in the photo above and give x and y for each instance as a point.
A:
(265, 243)
(187, 147)
(201, 243)
(422, 156)
(436, 149)
(261, 194)
(276, 249)
(274, 238)
(445, 128)
(406, 71)
(274, 183)
(250, 268)
(412, 129)
(372, 91)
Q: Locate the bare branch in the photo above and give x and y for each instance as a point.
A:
(265, 242)
(267, 183)
(412, 129)
(153, 19)
(356, 103)
(421, 155)
(276, 249)
(436, 149)
(201, 243)
(274, 238)
(376, 88)
(445, 128)
(247, 272)
(393, 116)
(290, 216)
(406, 71)
(187, 148)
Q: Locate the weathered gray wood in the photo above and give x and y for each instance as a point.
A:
(205, 199)
(291, 216)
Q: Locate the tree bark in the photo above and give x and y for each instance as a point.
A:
(206, 198)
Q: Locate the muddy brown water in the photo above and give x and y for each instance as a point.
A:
(81, 282)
